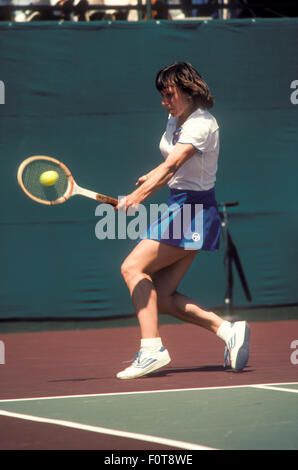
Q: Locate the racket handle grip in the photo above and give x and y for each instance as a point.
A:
(106, 199)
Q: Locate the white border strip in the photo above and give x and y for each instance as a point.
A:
(111, 432)
(279, 389)
(110, 394)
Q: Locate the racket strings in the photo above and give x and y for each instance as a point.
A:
(31, 180)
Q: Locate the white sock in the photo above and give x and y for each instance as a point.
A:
(224, 331)
(151, 344)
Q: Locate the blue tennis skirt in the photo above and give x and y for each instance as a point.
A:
(190, 220)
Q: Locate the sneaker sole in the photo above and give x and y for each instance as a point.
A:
(149, 370)
(243, 352)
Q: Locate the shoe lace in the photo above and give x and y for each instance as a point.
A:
(135, 358)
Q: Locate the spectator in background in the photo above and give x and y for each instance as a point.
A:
(19, 15)
(46, 14)
(158, 8)
(176, 14)
(94, 15)
(112, 14)
(52, 14)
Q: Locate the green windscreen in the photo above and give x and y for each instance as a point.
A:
(85, 93)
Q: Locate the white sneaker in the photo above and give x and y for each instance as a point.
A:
(237, 346)
(144, 363)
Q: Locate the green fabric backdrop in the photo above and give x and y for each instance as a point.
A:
(84, 93)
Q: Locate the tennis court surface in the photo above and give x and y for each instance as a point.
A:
(59, 391)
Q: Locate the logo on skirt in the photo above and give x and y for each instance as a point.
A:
(196, 237)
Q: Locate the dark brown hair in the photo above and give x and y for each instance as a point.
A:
(185, 76)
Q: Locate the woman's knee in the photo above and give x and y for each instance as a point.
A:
(128, 269)
(131, 270)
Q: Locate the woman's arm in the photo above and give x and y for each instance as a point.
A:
(159, 176)
(143, 178)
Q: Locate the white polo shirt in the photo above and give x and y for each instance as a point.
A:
(200, 130)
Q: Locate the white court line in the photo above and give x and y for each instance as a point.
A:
(111, 432)
(111, 394)
(279, 389)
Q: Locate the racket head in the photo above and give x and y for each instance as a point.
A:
(29, 173)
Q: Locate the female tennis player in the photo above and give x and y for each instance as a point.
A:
(156, 266)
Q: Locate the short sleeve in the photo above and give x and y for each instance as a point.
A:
(197, 132)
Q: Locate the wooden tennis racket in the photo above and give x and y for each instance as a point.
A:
(65, 187)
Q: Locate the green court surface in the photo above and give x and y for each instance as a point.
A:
(250, 417)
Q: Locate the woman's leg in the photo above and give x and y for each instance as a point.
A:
(152, 273)
(148, 257)
(236, 337)
(171, 302)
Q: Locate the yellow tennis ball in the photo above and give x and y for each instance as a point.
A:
(49, 178)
